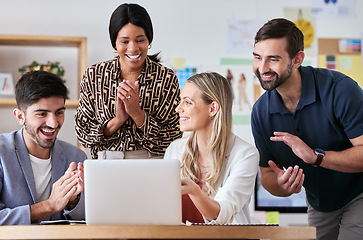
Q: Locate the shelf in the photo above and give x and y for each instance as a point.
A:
(11, 103)
(49, 41)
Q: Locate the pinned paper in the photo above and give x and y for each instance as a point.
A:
(272, 217)
(350, 45)
(178, 63)
(346, 63)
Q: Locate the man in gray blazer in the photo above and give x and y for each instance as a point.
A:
(41, 177)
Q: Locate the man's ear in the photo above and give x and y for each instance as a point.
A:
(213, 109)
(19, 115)
(298, 59)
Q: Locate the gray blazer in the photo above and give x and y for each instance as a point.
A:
(17, 184)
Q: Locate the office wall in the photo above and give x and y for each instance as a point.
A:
(192, 29)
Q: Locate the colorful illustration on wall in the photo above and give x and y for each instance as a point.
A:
(350, 45)
(304, 20)
(184, 74)
(246, 87)
(181, 71)
(335, 58)
(331, 62)
(7, 88)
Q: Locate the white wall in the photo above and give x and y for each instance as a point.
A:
(192, 29)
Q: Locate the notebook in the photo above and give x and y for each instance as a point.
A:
(132, 191)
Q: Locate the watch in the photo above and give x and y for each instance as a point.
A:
(319, 156)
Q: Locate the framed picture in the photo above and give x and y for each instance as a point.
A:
(7, 86)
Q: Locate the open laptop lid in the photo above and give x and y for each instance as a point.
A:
(133, 191)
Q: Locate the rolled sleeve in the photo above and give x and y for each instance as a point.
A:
(234, 194)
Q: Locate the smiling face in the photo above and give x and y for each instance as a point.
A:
(42, 122)
(132, 47)
(271, 63)
(193, 111)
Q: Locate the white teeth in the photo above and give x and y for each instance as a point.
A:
(266, 77)
(48, 130)
(133, 57)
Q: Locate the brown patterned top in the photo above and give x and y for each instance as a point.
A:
(159, 96)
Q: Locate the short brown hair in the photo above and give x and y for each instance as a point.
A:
(33, 86)
(282, 28)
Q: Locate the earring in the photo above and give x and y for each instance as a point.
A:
(115, 50)
(211, 117)
(149, 47)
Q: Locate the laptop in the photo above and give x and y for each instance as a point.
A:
(132, 191)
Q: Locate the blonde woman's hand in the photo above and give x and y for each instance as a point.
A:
(188, 186)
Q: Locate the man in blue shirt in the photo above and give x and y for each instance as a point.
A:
(308, 128)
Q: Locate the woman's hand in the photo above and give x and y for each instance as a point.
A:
(121, 116)
(207, 206)
(121, 113)
(129, 94)
(189, 187)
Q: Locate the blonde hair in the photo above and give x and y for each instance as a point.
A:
(214, 87)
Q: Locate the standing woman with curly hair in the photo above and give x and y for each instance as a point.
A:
(218, 168)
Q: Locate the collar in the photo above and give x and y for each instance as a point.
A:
(308, 93)
(145, 74)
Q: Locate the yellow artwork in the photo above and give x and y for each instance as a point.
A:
(349, 64)
(308, 30)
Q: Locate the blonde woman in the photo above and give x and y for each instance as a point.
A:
(218, 168)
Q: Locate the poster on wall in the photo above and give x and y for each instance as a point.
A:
(345, 58)
(184, 74)
(333, 8)
(304, 20)
(350, 46)
(246, 87)
(7, 88)
(181, 71)
(241, 34)
(350, 65)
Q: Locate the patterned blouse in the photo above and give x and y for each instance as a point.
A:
(159, 96)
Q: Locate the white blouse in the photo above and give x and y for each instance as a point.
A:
(236, 182)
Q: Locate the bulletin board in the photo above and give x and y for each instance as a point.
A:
(343, 55)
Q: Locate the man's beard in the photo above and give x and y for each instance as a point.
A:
(279, 80)
(47, 144)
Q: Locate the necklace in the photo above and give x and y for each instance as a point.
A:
(130, 73)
